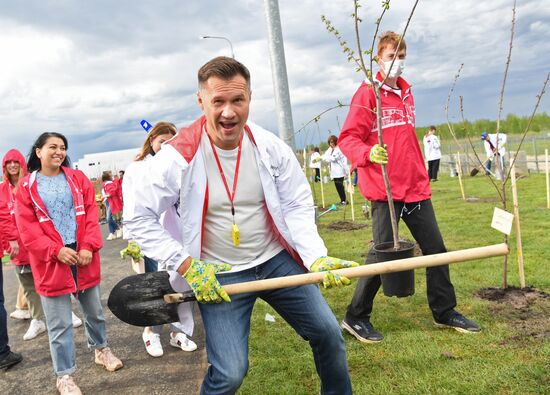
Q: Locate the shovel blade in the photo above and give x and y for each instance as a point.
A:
(139, 300)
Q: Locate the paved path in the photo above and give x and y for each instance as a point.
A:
(177, 372)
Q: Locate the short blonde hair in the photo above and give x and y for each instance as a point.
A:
(390, 39)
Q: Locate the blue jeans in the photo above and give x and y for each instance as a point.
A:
(58, 311)
(4, 347)
(150, 265)
(227, 327)
(113, 227)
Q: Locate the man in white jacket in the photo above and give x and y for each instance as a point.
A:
(247, 214)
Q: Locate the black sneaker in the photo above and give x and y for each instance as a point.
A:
(9, 360)
(460, 323)
(362, 330)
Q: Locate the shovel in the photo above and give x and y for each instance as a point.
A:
(148, 299)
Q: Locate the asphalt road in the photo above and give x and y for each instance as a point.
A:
(176, 372)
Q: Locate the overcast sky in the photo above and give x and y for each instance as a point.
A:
(93, 69)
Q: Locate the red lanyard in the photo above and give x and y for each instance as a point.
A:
(230, 195)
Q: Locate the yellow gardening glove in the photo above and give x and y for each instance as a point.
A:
(131, 250)
(378, 155)
(201, 277)
(327, 263)
(318, 159)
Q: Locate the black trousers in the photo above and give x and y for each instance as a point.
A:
(433, 169)
(339, 184)
(420, 219)
(317, 175)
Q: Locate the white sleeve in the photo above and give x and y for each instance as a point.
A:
(297, 207)
(155, 188)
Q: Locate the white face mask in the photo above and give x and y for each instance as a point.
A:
(396, 69)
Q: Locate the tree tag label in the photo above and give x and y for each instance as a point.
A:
(502, 221)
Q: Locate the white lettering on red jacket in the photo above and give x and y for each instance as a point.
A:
(407, 172)
(43, 241)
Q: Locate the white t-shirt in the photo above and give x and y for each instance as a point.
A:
(258, 241)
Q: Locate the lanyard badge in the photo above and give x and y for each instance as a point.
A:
(235, 233)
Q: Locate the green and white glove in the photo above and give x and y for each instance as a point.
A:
(378, 155)
(201, 277)
(327, 263)
(315, 160)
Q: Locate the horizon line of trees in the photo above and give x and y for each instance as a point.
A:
(512, 124)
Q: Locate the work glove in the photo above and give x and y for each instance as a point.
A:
(315, 160)
(201, 277)
(378, 155)
(327, 263)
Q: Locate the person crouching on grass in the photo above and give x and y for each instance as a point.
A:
(247, 213)
(58, 222)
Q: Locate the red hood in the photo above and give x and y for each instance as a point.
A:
(15, 156)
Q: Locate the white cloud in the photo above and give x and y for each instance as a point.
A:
(93, 70)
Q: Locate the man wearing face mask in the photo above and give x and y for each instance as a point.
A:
(409, 183)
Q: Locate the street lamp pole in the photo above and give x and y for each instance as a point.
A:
(221, 38)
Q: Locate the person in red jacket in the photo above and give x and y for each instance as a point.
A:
(113, 202)
(14, 168)
(409, 184)
(57, 219)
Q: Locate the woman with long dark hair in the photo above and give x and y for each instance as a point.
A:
(58, 222)
(161, 132)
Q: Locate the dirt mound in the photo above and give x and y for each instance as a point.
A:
(346, 225)
(516, 297)
(525, 310)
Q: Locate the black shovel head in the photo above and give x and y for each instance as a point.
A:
(138, 300)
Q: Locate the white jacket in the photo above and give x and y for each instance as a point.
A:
(178, 172)
(493, 139)
(432, 147)
(338, 162)
(131, 184)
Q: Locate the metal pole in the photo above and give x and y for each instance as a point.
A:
(278, 70)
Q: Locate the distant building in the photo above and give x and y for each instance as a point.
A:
(93, 165)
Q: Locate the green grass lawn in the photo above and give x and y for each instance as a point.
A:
(511, 354)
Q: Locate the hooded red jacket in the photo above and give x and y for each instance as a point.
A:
(406, 170)
(43, 241)
(8, 227)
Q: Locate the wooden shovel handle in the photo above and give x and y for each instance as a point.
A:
(362, 271)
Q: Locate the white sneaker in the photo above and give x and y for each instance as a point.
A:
(21, 314)
(152, 344)
(66, 386)
(76, 321)
(119, 233)
(35, 328)
(181, 341)
(111, 236)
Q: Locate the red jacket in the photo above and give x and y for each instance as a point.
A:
(8, 227)
(111, 188)
(43, 242)
(407, 172)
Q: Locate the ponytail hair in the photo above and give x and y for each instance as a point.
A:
(33, 161)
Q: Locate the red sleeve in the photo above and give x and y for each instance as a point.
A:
(32, 235)
(8, 230)
(356, 138)
(93, 240)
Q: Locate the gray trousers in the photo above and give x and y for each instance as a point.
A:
(26, 280)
